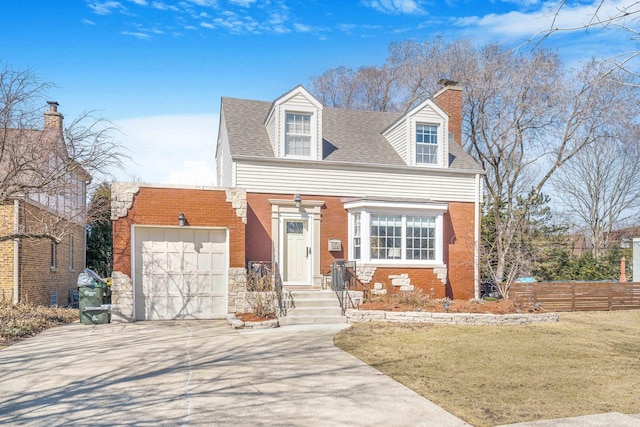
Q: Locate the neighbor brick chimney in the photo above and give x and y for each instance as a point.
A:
(449, 98)
(52, 118)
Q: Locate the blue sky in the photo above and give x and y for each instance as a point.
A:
(159, 68)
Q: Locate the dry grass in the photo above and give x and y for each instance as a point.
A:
(587, 363)
(25, 320)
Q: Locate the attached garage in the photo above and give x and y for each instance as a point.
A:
(180, 272)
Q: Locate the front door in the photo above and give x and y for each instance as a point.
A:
(297, 251)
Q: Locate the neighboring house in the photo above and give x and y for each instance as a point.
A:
(304, 185)
(620, 238)
(42, 245)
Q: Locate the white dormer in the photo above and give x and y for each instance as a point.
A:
(421, 136)
(294, 125)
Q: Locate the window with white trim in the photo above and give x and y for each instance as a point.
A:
(421, 238)
(357, 236)
(297, 134)
(396, 233)
(386, 237)
(426, 144)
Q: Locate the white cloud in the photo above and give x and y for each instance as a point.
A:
(527, 24)
(87, 21)
(106, 7)
(301, 28)
(140, 2)
(243, 3)
(206, 3)
(137, 34)
(395, 6)
(163, 6)
(171, 149)
(207, 25)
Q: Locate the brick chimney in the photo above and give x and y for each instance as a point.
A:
(52, 118)
(449, 98)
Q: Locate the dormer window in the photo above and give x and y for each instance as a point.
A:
(298, 134)
(426, 144)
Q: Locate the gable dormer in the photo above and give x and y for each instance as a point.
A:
(294, 125)
(419, 136)
(422, 136)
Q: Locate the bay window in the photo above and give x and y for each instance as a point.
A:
(388, 233)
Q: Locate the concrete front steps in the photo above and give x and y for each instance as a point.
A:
(313, 307)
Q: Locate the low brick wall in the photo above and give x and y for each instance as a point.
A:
(355, 316)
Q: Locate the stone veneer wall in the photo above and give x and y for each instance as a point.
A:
(237, 290)
(472, 319)
(121, 298)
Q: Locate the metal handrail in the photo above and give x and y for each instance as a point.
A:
(343, 279)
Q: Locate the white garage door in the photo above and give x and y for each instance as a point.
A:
(180, 273)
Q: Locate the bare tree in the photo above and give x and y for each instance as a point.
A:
(524, 117)
(336, 87)
(600, 186)
(48, 168)
(602, 15)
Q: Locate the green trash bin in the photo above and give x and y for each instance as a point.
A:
(91, 294)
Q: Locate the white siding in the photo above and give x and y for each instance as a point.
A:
(272, 131)
(300, 104)
(224, 163)
(298, 100)
(332, 180)
(398, 138)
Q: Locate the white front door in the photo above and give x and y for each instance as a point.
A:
(297, 251)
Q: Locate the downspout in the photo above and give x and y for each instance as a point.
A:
(476, 239)
(16, 252)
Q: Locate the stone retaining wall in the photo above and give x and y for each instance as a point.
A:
(355, 316)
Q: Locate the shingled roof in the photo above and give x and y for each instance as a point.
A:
(348, 135)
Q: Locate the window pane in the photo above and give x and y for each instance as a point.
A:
(386, 235)
(426, 144)
(421, 241)
(356, 236)
(298, 134)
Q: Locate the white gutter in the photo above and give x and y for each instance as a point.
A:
(336, 165)
(476, 238)
(16, 253)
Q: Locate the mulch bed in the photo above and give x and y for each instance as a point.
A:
(455, 306)
(250, 317)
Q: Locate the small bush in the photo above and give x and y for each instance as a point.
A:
(261, 296)
(415, 298)
(24, 320)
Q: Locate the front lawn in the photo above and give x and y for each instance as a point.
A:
(587, 363)
(24, 320)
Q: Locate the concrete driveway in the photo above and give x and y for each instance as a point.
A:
(200, 373)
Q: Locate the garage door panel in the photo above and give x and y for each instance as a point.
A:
(158, 284)
(190, 261)
(174, 261)
(180, 273)
(217, 260)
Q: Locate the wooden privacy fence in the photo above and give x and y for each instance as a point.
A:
(578, 296)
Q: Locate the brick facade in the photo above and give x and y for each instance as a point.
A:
(6, 252)
(457, 255)
(334, 225)
(36, 278)
(161, 206)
